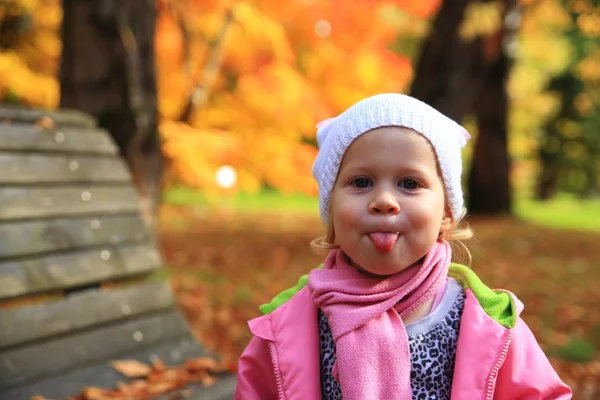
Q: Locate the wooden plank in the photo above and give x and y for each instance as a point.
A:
(82, 310)
(65, 384)
(57, 168)
(22, 364)
(21, 238)
(28, 137)
(61, 271)
(32, 115)
(40, 202)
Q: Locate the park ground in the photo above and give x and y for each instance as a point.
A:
(228, 255)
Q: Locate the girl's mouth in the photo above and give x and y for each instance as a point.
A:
(384, 241)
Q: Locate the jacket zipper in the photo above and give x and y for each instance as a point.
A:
(489, 392)
(276, 370)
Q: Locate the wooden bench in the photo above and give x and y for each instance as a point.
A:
(78, 269)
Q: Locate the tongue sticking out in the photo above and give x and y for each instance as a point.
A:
(384, 242)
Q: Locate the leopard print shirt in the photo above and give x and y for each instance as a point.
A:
(432, 340)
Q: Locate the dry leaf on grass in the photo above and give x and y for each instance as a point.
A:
(132, 368)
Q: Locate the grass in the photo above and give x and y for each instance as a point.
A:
(266, 200)
(576, 350)
(563, 212)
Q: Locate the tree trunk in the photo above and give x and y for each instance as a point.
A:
(108, 71)
(547, 185)
(450, 70)
(460, 77)
(489, 187)
(553, 162)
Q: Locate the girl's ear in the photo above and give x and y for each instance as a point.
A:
(447, 222)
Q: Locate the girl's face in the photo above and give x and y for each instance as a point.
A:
(388, 205)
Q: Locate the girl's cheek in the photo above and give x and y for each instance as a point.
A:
(425, 212)
(347, 211)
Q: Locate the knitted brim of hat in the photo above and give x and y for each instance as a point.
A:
(335, 135)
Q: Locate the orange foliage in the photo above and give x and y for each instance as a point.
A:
(261, 79)
(283, 67)
(423, 9)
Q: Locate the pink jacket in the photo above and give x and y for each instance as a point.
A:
(497, 356)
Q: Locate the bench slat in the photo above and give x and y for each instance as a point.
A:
(81, 310)
(43, 168)
(32, 115)
(61, 271)
(30, 237)
(40, 202)
(22, 364)
(172, 352)
(21, 137)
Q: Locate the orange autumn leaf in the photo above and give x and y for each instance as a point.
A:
(158, 365)
(163, 387)
(131, 368)
(172, 374)
(129, 389)
(201, 364)
(96, 393)
(207, 380)
(46, 123)
(138, 384)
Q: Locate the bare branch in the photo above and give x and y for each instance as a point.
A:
(200, 94)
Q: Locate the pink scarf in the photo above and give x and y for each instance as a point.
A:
(365, 316)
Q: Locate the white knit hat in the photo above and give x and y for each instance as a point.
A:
(335, 135)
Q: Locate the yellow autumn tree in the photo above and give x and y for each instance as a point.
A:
(30, 54)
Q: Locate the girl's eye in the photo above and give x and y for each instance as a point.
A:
(409, 184)
(362, 182)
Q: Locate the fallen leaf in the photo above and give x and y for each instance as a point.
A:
(130, 390)
(131, 368)
(46, 122)
(138, 384)
(162, 387)
(201, 364)
(96, 393)
(171, 375)
(158, 365)
(207, 380)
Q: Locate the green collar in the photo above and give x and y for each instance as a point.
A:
(497, 304)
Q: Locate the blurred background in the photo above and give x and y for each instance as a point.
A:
(214, 104)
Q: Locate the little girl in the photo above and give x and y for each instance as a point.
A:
(388, 316)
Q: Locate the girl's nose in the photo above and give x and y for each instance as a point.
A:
(384, 203)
